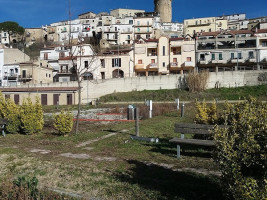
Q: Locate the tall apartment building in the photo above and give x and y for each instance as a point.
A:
(232, 50)
(164, 56)
(208, 24)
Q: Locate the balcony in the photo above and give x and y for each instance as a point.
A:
(218, 61)
(10, 76)
(203, 61)
(139, 67)
(252, 60)
(188, 64)
(153, 67)
(152, 54)
(173, 66)
(26, 77)
(237, 60)
(64, 71)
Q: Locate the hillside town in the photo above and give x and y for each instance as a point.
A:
(127, 43)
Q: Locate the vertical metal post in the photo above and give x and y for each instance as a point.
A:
(150, 108)
(137, 122)
(182, 110)
(178, 151)
(178, 103)
(3, 131)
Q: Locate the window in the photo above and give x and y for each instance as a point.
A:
(232, 55)
(138, 23)
(251, 54)
(213, 56)
(152, 60)
(175, 60)
(45, 56)
(220, 56)
(61, 55)
(147, 30)
(86, 64)
(130, 21)
(163, 64)
(188, 59)
(102, 63)
(147, 23)
(138, 30)
(140, 61)
(147, 36)
(129, 37)
(116, 62)
(163, 51)
(239, 55)
(202, 57)
(264, 43)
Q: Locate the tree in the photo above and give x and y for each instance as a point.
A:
(11, 28)
(241, 150)
(82, 70)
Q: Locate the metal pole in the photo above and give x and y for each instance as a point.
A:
(150, 108)
(182, 110)
(137, 122)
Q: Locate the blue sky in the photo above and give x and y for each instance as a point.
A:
(35, 13)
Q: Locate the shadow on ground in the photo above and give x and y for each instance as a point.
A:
(172, 184)
(166, 148)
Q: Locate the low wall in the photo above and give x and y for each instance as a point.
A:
(94, 89)
(220, 79)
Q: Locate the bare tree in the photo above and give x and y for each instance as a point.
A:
(82, 70)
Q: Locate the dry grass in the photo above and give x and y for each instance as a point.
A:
(197, 82)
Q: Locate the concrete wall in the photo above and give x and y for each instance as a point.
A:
(98, 88)
(222, 79)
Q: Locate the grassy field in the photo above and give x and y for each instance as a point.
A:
(169, 95)
(115, 167)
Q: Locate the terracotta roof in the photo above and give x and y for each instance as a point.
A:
(175, 39)
(39, 89)
(235, 32)
(210, 33)
(261, 31)
(151, 40)
(68, 58)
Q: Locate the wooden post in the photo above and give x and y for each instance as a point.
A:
(137, 122)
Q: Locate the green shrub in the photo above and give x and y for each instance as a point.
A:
(206, 114)
(241, 150)
(31, 116)
(12, 116)
(63, 122)
(10, 111)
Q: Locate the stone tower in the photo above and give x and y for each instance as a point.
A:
(164, 8)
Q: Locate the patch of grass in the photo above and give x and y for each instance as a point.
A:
(170, 95)
(142, 170)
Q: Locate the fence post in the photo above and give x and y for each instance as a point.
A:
(182, 110)
(150, 108)
(177, 101)
(137, 121)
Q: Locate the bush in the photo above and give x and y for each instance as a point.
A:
(205, 114)
(31, 116)
(197, 82)
(241, 150)
(63, 122)
(10, 111)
